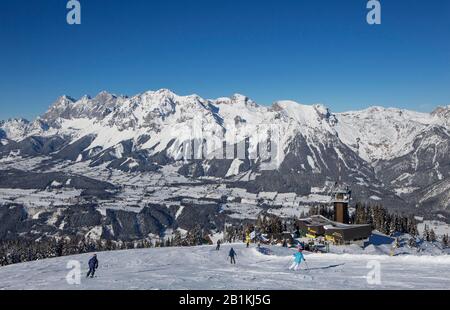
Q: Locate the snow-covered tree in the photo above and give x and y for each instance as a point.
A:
(445, 240)
(432, 236)
(426, 233)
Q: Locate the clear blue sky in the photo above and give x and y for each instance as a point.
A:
(306, 50)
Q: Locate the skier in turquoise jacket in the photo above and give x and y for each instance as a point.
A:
(298, 258)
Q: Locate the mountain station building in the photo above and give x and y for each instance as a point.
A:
(337, 233)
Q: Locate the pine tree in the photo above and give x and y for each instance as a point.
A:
(445, 241)
(195, 236)
(360, 215)
(412, 243)
(426, 233)
(177, 239)
(168, 244)
(432, 236)
(392, 227)
(412, 226)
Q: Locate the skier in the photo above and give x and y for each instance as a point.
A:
(93, 265)
(298, 258)
(232, 255)
(218, 245)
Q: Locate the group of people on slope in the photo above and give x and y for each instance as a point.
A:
(298, 256)
(232, 254)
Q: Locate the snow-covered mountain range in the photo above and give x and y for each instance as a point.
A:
(396, 157)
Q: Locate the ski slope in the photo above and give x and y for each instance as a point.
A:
(204, 268)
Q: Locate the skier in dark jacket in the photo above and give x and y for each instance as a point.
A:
(93, 265)
(232, 255)
(218, 245)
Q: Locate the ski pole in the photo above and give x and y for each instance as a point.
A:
(306, 265)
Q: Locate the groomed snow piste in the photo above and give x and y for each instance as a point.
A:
(204, 268)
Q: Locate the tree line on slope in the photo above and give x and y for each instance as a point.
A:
(26, 249)
(383, 221)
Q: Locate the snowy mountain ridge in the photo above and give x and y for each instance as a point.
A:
(375, 133)
(396, 157)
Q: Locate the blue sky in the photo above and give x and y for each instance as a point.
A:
(310, 51)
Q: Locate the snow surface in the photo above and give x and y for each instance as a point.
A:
(204, 268)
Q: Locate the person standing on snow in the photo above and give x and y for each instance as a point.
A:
(218, 245)
(232, 255)
(93, 265)
(298, 258)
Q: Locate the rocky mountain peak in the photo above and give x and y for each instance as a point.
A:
(242, 100)
(104, 95)
(443, 113)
